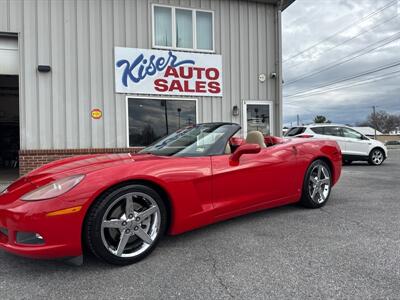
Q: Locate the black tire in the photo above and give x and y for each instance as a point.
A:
(93, 231)
(347, 162)
(308, 185)
(376, 157)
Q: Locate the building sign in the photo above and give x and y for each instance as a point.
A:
(148, 71)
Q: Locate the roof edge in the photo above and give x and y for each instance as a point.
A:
(286, 3)
(282, 4)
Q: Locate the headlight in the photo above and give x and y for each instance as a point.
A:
(54, 189)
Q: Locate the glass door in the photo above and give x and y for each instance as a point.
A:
(257, 115)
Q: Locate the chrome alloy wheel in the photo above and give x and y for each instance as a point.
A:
(131, 224)
(377, 157)
(319, 184)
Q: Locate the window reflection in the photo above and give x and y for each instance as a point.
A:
(151, 119)
(204, 30)
(258, 118)
(163, 26)
(184, 28)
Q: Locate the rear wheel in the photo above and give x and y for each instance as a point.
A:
(125, 225)
(376, 157)
(317, 185)
(347, 162)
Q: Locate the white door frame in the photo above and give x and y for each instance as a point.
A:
(257, 102)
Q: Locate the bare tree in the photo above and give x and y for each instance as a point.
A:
(382, 121)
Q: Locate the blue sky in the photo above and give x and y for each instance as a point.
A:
(368, 38)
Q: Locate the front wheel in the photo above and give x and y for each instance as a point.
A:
(126, 224)
(376, 157)
(317, 185)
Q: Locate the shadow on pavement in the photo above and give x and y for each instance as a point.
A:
(24, 265)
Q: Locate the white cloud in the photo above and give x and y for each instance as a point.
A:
(307, 22)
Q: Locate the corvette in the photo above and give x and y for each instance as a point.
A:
(118, 206)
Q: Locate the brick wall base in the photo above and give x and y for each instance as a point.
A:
(32, 159)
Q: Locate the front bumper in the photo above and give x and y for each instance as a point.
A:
(386, 152)
(61, 234)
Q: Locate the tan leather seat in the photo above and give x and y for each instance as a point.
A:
(228, 149)
(255, 137)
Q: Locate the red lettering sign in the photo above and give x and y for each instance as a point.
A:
(189, 79)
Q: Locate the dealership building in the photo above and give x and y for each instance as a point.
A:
(110, 76)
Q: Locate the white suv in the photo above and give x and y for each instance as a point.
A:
(354, 145)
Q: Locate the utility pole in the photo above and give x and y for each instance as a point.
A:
(374, 116)
(298, 120)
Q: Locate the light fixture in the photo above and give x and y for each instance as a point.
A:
(235, 110)
(44, 68)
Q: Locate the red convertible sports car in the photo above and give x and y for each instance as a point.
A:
(119, 205)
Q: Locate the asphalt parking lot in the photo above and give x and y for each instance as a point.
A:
(349, 249)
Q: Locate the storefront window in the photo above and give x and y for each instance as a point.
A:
(204, 30)
(151, 119)
(184, 28)
(163, 26)
(183, 35)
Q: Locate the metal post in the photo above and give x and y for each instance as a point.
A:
(164, 103)
(374, 116)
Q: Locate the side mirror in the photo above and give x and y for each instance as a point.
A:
(244, 149)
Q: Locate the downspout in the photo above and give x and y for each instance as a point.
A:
(278, 67)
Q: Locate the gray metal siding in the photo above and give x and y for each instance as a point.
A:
(77, 39)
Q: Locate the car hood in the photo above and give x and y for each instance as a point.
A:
(78, 165)
(377, 143)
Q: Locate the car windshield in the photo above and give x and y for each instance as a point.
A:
(196, 140)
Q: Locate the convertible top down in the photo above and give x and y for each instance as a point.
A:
(119, 205)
